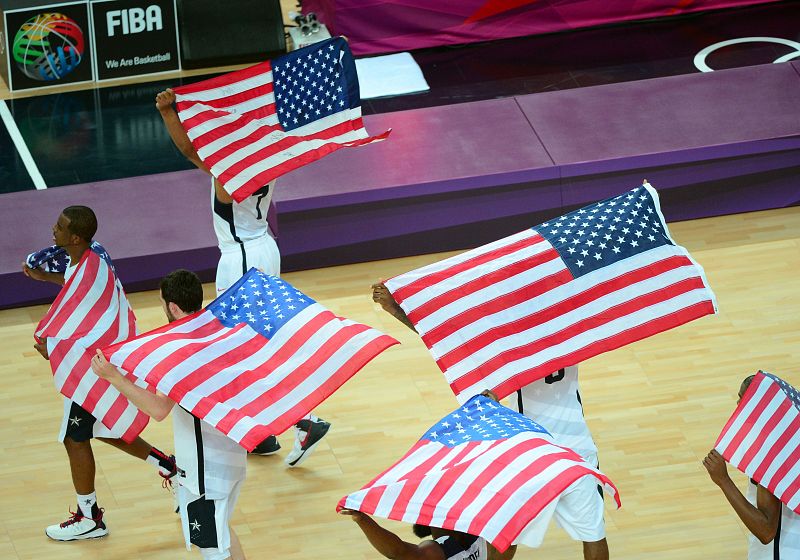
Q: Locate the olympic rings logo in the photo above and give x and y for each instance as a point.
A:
(700, 57)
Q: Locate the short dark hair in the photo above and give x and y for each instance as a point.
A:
(184, 289)
(746, 383)
(82, 221)
(421, 531)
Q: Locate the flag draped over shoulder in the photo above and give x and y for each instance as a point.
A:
(55, 258)
(255, 360)
(513, 311)
(483, 469)
(91, 311)
(256, 124)
(762, 437)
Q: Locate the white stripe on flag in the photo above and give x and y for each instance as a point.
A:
(227, 90)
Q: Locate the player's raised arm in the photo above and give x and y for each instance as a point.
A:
(164, 104)
(382, 296)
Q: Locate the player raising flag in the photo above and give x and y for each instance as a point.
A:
(514, 311)
(254, 361)
(483, 470)
(251, 126)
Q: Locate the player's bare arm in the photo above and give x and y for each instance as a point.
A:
(389, 544)
(156, 405)
(383, 297)
(762, 520)
(43, 275)
(164, 104)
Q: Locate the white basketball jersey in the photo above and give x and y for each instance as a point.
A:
(785, 545)
(242, 221)
(555, 403)
(212, 463)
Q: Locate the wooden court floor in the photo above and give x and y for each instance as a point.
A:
(655, 408)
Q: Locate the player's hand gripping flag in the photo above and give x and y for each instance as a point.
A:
(483, 469)
(90, 312)
(255, 360)
(256, 124)
(762, 437)
(513, 311)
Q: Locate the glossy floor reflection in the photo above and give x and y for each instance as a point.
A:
(109, 133)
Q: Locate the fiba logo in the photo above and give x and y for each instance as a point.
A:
(134, 20)
(48, 46)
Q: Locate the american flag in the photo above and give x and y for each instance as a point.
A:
(90, 312)
(254, 361)
(762, 437)
(482, 469)
(256, 124)
(56, 259)
(513, 311)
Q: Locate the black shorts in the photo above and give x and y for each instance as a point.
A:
(80, 424)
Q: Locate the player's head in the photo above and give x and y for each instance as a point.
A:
(181, 294)
(421, 531)
(743, 387)
(76, 225)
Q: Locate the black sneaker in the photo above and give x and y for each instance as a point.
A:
(269, 446)
(308, 434)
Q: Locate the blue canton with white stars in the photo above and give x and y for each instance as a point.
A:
(55, 258)
(480, 419)
(264, 302)
(314, 82)
(789, 390)
(606, 232)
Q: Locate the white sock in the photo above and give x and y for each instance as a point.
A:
(86, 502)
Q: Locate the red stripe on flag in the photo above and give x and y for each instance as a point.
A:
(151, 346)
(526, 350)
(237, 98)
(750, 394)
(536, 503)
(352, 366)
(513, 269)
(231, 78)
(655, 326)
(265, 177)
(774, 416)
(510, 299)
(83, 279)
(404, 292)
(752, 418)
(780, 443)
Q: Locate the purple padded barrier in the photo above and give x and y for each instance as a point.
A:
(458, 176)
(150, 225)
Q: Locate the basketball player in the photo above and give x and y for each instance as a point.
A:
(244, 242)
(555, 403)
(446, 545)
(774, 528)
(73, 232)
(213, 465)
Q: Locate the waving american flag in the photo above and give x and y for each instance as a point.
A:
(256, 124)
(513, 311)
(56, 259)
(762, 437)
(482, 469)
(91, 311)
(256, 360)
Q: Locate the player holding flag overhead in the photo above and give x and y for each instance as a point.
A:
(483, 470)
(253, 361)
(245, 129)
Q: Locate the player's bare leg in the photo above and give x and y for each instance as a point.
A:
(597, 550)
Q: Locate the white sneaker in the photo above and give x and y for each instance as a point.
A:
(78, 527)
(307, 434)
